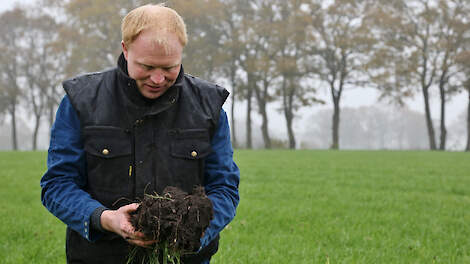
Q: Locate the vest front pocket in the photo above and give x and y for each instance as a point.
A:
(108, 151)
(188, 149)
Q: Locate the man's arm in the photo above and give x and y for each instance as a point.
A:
(62, 185)
(65, 177)
(221, 180)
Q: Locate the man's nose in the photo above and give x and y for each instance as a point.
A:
(157, 76)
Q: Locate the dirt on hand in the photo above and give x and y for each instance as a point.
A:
(175, 218)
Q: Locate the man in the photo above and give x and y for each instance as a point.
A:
(136, 129)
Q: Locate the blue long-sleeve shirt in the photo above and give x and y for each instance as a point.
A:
(62, 184)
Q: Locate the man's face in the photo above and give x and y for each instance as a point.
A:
(152, 65)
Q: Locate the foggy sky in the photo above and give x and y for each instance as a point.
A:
(351, 98)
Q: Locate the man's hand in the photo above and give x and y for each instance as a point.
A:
(118, 221)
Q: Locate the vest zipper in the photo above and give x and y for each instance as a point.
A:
(132, 171)
(133, 167)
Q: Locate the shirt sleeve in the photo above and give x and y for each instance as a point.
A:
(221, 180)
(62, 184)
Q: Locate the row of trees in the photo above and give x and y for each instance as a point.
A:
(264, 51)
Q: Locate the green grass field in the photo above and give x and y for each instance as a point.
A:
(296, 207)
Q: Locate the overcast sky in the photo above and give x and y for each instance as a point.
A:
(8, 4)
(352, 98)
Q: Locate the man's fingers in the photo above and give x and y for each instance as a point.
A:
(130, 207)
(141, 243)
(127, 231)
(139, 235)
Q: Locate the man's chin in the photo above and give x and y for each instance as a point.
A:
(152, 95)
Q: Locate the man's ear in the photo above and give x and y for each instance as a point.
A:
(124, 49)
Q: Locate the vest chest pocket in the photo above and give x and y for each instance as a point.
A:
(190, 144)
(108, 150)
(188, 149)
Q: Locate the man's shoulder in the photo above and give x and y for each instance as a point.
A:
(204, 86)
(211, 95)
(90, 77)
(198, 81)
(85, 83)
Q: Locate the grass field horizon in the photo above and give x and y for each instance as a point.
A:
(303, 206)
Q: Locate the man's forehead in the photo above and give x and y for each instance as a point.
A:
(161, 41)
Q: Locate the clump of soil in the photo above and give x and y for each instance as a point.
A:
(175, 218)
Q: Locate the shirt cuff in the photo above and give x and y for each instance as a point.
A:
(95, 220)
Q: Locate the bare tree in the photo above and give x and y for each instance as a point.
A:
(202, 56)
(91, 32)
(231, 44)
(257, 61)
(340, 44)
(289, 38)
(13, 24)
(421, 40)
(453, 25)
(41, 69)
(463, 59)
(247, 53)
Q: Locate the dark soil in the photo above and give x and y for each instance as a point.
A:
(175, 217)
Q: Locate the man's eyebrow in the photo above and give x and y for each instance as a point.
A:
(162, 66)
(172, 66)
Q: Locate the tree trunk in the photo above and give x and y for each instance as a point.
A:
(290, 131)
(14, 140)
(336, 97)
(35, 132)
(289, 115)
(443, 135)
(249, 142)
(261, 99)
(232, 107)
(467, 148)
(232, 121)
(429, 124)
(264, 124)
(51, 115)
(335, 125)
(264, 127)
(442, 93)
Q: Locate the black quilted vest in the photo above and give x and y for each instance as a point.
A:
(134, 146)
